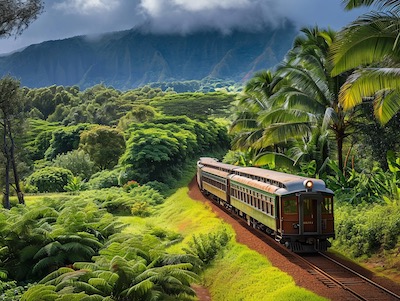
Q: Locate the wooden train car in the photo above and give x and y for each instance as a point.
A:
(297, 211)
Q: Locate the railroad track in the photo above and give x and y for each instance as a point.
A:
(336, 273)
(329, 271)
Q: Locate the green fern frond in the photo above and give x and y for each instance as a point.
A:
(40, 292)
(28, 252)
(138, 290)
(96, 298)
(46, 263)
(79, 286)
(77, 248)
(72, 297)
(50, 278)
(86, 266)
(101, 284)
(48, 250)
(108, 276)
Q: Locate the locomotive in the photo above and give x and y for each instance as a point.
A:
(297, 211)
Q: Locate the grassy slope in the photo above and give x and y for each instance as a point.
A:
(251, 276)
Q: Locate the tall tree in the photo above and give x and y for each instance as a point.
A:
(16, 15)
(370, 47)
(104, 145)
(10, 104)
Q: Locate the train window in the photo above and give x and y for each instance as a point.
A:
(307, 206)
(290, 206)
(326, 206)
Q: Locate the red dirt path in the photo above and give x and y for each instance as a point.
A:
(301, 277)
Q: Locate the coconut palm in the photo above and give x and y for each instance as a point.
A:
(312, 96)
(303, 107)
(253, 100)
(370, 46)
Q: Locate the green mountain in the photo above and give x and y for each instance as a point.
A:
(129, 59)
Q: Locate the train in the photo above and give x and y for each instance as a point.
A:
(297, 211)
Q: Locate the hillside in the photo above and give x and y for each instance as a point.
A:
(129, 59)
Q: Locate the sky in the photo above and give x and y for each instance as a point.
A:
(67, 18)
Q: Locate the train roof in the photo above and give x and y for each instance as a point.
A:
(216, 164)
(217, 172)
(287, 182)
(290, 183)
(256, 184)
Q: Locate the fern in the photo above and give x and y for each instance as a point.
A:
(79, 286)
(86, 265)
(40, 292)
(48, 250)
(101, 284)
(138, 290)
(51, 278)
(48, 264)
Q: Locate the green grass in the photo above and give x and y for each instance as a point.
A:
(243, 274)
(238, 273)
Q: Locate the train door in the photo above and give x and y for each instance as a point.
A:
(310, 213)
(289, 215)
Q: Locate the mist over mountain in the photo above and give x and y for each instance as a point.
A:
(128, 59)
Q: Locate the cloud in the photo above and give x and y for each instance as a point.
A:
(184, 16)
(86, 7)
(67, 18)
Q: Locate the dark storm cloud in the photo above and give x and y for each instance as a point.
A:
(66, 18)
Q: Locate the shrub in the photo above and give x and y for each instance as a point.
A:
(207, 246)
(364, 230)
(128, 186)
(104, 179)
(50, 179)
(77, 162)
(159, 186)
(138, 201)
(75, 184)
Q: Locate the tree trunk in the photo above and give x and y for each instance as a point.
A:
(14, 167)
(340, 151)
(6, 200)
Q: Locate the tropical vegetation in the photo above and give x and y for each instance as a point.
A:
(100, 171)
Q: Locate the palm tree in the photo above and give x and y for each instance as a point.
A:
(370, 47)
(304, 106)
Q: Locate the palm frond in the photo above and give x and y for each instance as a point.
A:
(281, 133)
(367, 82)
(369, 39)
(273, 159)
(380, 4)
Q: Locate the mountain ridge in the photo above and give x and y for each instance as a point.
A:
(131, 58)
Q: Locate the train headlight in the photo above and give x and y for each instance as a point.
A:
(308, 184)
